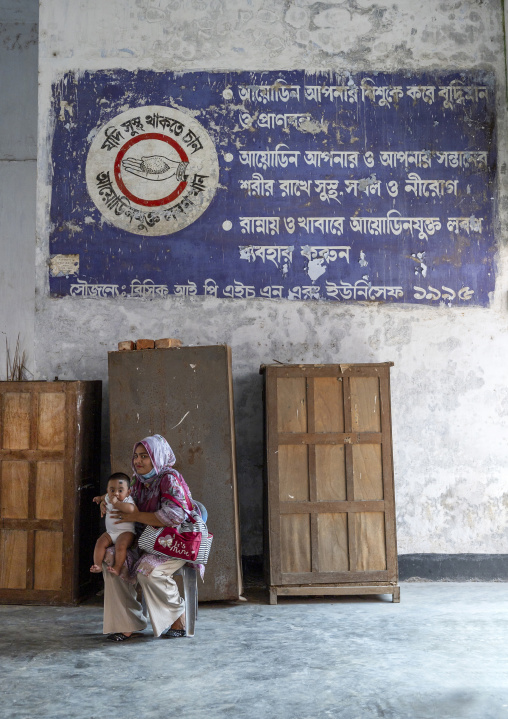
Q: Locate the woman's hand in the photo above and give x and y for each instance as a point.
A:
(123, 512)
(136, 516)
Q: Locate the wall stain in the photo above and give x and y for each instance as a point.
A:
(193, 453)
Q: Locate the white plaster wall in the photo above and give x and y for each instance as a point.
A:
(18, 173)
(450, 380)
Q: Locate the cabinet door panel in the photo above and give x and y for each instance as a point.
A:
(367, 471)
(365, 404)
(292, 404)
(14, 489)
(370, 541)
(13, 559)
(328, 405)
(333, 542)
(293, 473)
(330, 472)
(16, 420)
(48, 560)
(51, 424)
(50, 490)
(295, 543)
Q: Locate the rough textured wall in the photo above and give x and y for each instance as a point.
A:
(450, 380)
(18, 172)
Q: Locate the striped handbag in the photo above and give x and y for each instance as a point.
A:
(191, 540)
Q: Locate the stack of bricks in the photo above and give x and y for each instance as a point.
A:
(164, 343)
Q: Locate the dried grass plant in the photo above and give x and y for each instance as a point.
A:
(16, 368)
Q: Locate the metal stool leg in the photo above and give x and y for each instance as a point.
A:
(190, 589)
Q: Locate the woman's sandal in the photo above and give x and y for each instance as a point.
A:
(174, 633)
(120, 637)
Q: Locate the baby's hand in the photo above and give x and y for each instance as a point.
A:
(128, 507)
(102, 504)
(114, 500)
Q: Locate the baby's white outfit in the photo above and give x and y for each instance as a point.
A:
(114, 530)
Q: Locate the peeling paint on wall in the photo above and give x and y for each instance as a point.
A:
(64, 265)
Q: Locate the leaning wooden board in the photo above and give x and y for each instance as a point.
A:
(329, 481)
(185, 394)
(49, 473)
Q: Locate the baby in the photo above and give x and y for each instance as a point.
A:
(122, 534)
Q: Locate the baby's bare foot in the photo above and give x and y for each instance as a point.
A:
(95, 569)
(114, 570)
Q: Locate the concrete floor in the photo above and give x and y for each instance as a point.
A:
(442, 653)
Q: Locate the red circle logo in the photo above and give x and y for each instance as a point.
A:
(118, 169)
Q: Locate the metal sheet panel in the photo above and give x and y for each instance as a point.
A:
(185, 394)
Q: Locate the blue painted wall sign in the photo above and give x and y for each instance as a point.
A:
(346, 188)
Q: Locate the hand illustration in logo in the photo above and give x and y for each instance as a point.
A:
(156, 167)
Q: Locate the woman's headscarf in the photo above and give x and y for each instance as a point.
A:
(160, 453)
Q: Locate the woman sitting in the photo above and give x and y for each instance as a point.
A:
(156, 484)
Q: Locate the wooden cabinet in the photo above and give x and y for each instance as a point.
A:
(49, 473)
(330, 507)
